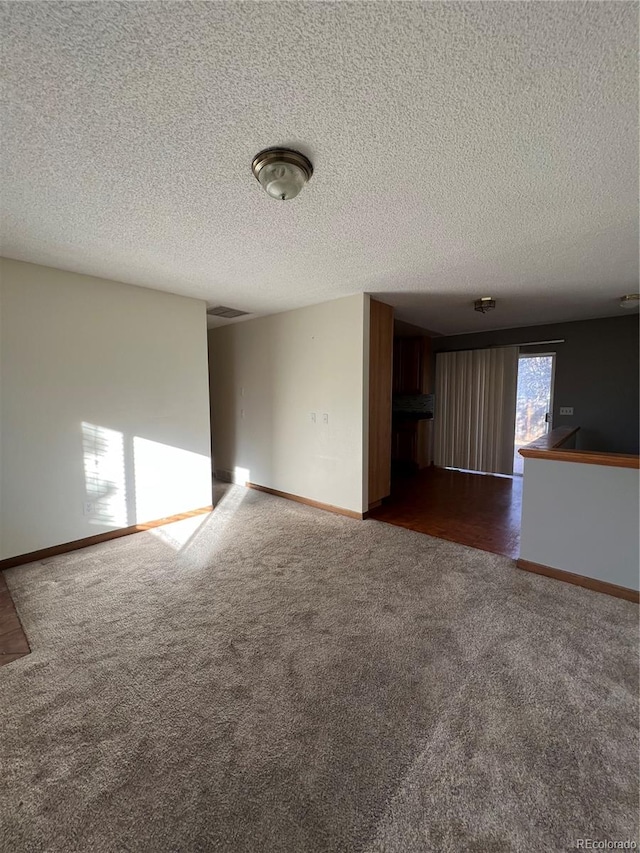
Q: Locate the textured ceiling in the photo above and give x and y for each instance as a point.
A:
(460, 150)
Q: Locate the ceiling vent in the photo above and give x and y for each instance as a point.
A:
(227, 313)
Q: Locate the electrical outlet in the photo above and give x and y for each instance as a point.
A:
(566, 410)
(313, 417)
(89, 508)
(325, 418)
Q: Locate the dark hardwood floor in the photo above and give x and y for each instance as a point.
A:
(473, 509)
(13, 642)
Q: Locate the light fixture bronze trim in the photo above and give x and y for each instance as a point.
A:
(281, 155)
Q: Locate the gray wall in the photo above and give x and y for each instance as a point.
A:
(596, 373)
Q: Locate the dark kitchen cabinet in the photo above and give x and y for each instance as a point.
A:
(405, 443)
(412, 365)
(411, 443)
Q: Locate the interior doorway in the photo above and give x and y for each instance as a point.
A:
(534, 401)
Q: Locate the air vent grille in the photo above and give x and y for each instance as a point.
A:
(227, 313)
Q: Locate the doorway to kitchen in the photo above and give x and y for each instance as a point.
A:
(460, 505)
(534, 402)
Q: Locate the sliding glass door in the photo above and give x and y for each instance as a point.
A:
(534, 401)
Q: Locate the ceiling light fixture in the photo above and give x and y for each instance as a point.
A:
(484, 304)
(281, 172)
(630, 301)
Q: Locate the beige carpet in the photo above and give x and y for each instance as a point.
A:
(282, 680)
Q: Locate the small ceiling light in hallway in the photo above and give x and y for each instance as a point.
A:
(281, 172)
(484, 304)
(630, 301)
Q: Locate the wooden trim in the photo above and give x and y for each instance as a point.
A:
(298, 499)
(581, 580)
(549, 446)
(550, 440)
(367, 513)
(585, 457)
(44, 553)
(380, 396)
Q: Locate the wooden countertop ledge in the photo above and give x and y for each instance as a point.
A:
(550, 446)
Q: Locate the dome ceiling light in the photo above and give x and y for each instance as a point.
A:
(281, 172)
(484, 304)
(630, 301)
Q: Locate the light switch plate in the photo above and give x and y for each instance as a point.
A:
(566, 410)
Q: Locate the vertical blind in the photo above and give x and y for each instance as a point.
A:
(476, 409)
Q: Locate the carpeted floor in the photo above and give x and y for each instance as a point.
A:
(275, 679)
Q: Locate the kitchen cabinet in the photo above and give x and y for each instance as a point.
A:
(424, 440)
(412, 442)
(412, 372)
(404, 448)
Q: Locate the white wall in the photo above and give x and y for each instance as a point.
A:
(104, 402)
(267, 376)
(581, 519)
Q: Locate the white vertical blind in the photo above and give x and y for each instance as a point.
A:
(476, 409)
